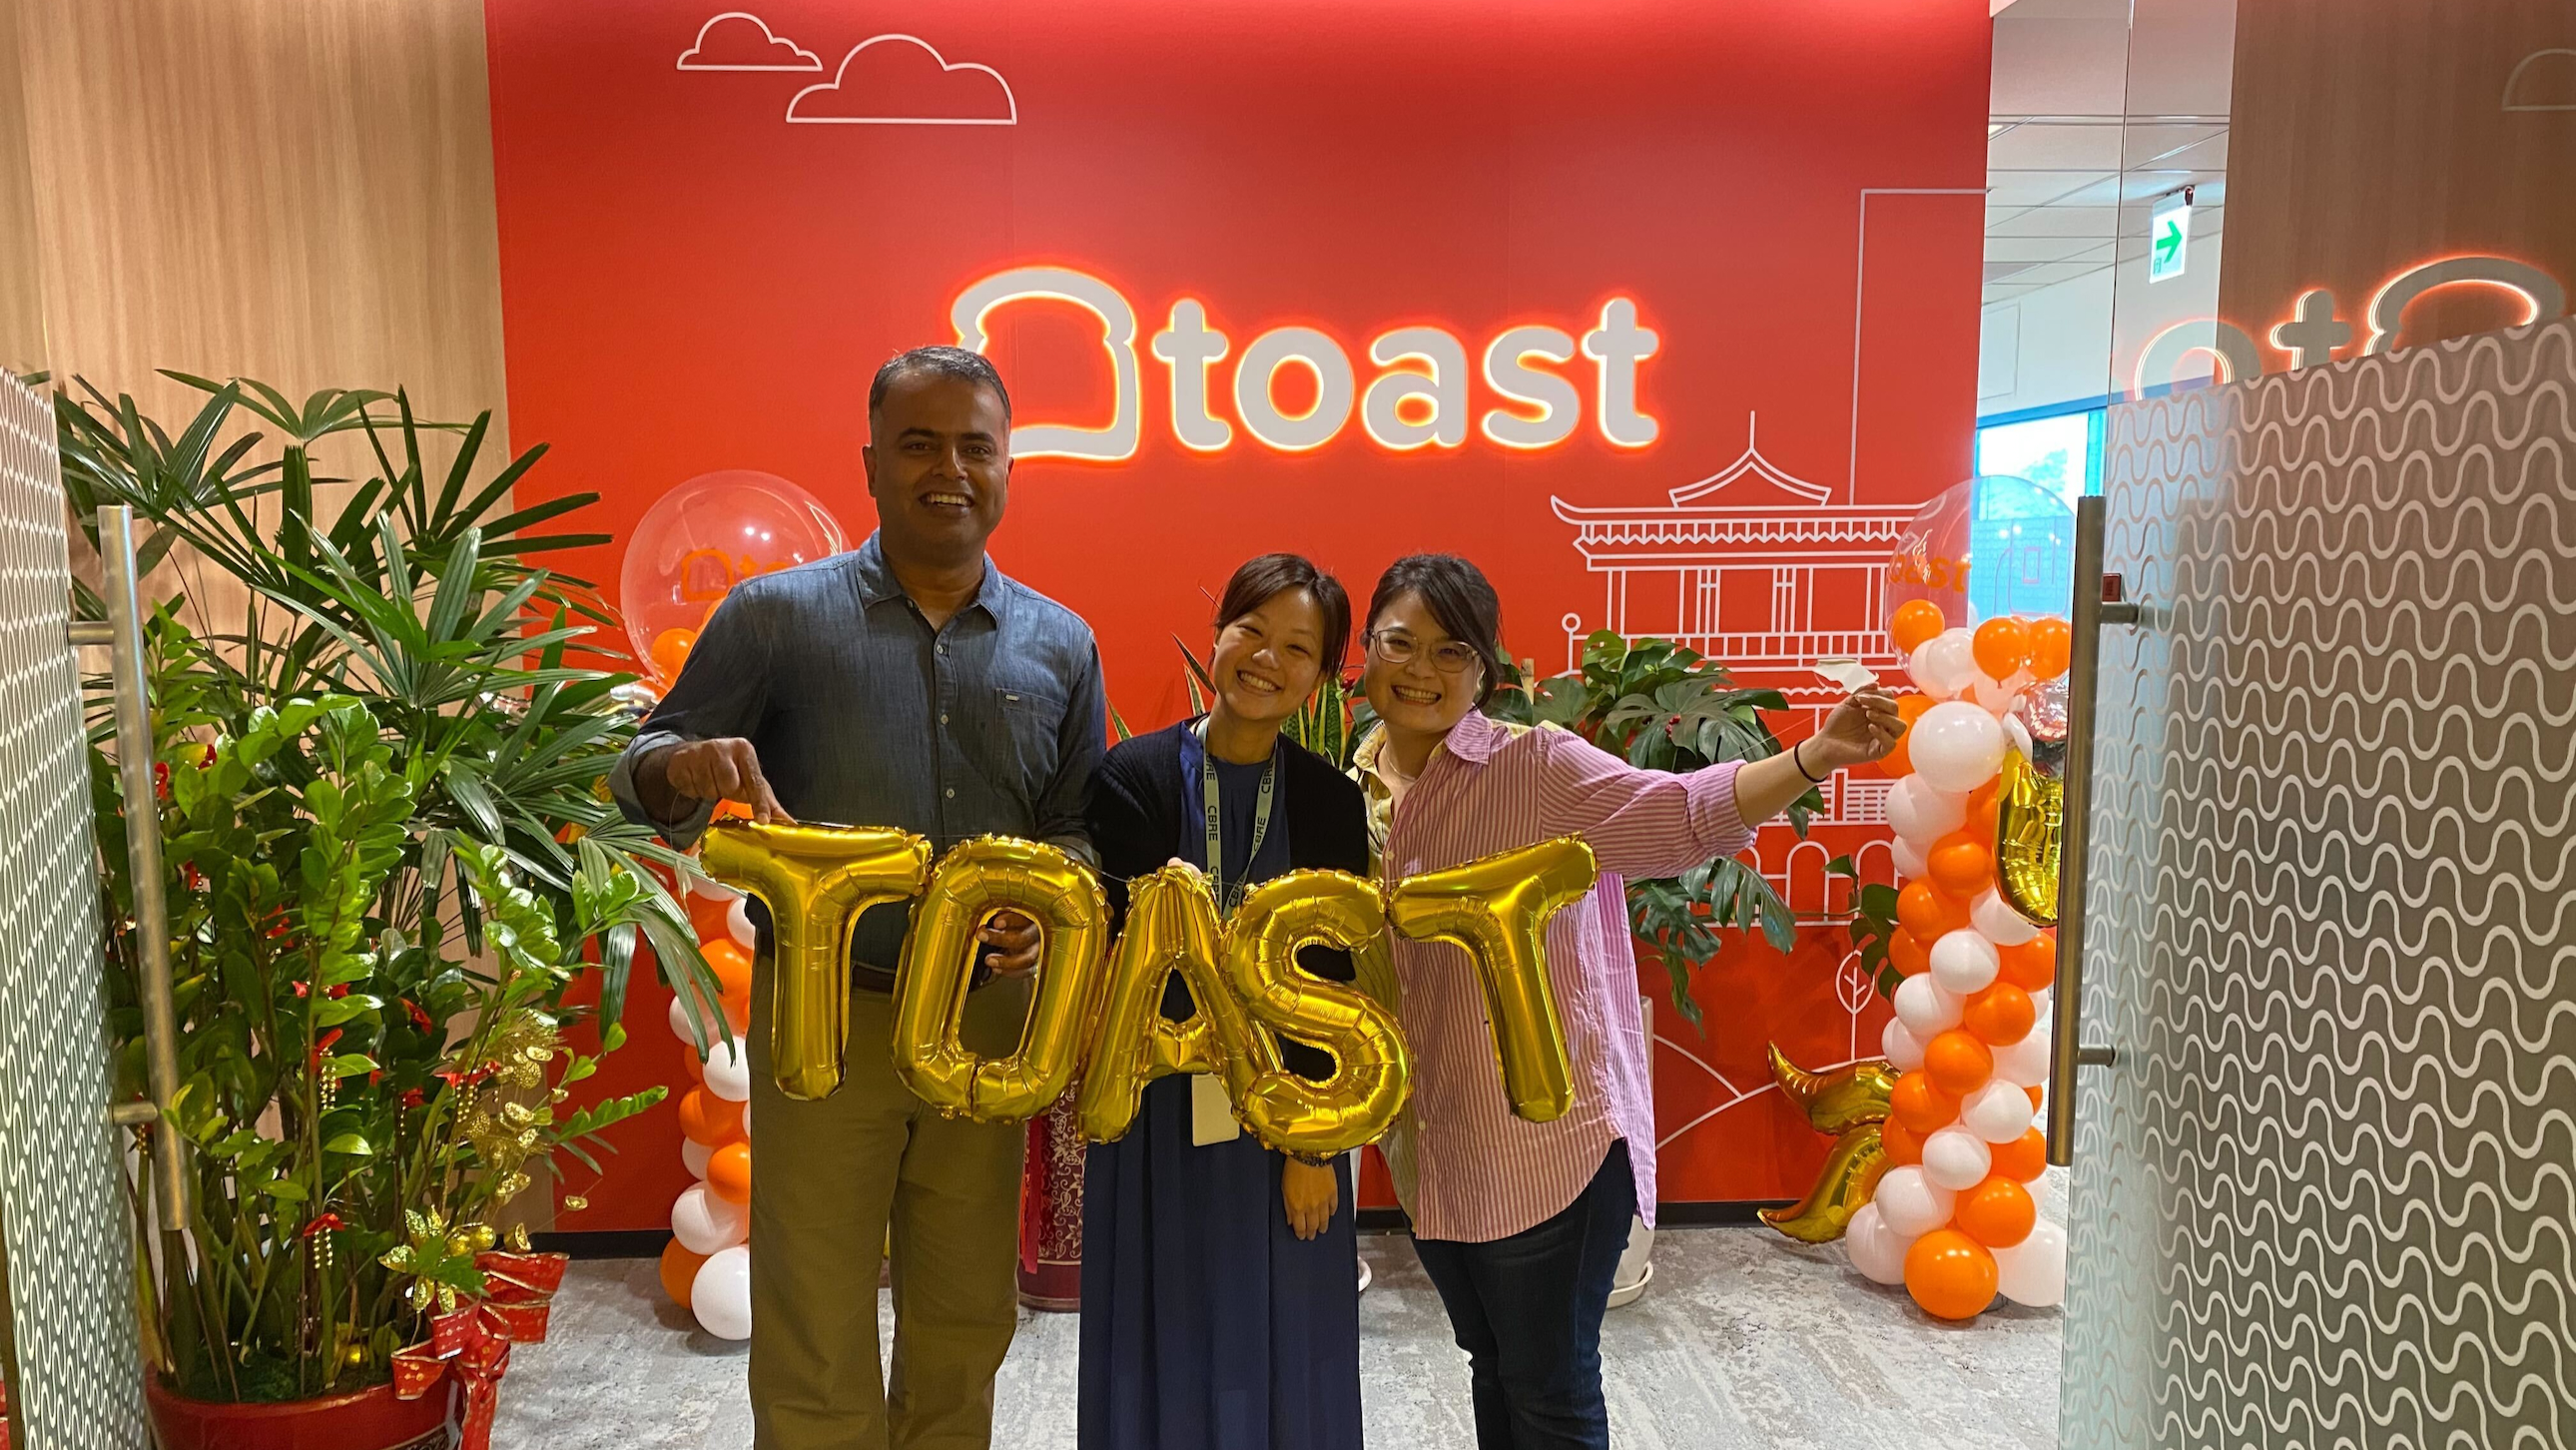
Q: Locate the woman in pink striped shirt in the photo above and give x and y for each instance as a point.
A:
(1520, 1224)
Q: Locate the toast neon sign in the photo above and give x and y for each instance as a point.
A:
(1420, 399)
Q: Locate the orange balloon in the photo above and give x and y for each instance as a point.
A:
(2038, 1100)
(709, 1120)
(1901, 1144)
(729, 1173)
(690, 1064)
(732, 966)
(1950, 1274)
(2000, 1015)
(1960, 864)
(1921, 1106)
(1915, 621)
(732, 811)
(679, 1272)
(1929, 912)
(1997, 1213)
(1957, 1062)
(671, 650)
(1907, 955)
(2051, 641)
(2001, 645)
(2021, 1160)
(1898, 763)
(2032, 966)
(1981, 811)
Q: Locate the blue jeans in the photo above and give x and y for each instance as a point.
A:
(1527, 1309)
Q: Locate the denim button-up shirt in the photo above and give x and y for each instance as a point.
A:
(864, 715)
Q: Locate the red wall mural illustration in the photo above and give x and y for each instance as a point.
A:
(1665, 312)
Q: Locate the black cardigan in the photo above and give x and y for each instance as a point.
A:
(1138, 819)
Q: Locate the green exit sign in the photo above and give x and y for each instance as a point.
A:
(2168, 239)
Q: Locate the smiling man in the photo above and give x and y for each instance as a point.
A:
(906, 683)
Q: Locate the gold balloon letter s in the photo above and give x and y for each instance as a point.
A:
(815, 880)
(1497, 908)
(1372, 1071)
(976, 880)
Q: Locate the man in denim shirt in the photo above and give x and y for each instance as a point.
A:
(907, 683)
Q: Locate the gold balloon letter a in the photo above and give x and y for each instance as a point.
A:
(815, 880)
(1171, 927)
(974, 881)
(1497, 908)
(1372, 1072)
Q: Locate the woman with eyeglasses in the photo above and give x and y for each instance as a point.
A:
(1220, 1292)
(1521, 1224)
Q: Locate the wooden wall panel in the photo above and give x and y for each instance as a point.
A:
(281, 189)
(22, 295)
(2370, 135)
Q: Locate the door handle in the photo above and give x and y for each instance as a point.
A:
(2098, 601)
(122, 634)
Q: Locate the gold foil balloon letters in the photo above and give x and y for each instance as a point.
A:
(815, 880)
(1171, 927)
(975, 881)
(1497, 908)
(1372, 1072)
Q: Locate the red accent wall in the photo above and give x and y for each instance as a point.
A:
(692, 282)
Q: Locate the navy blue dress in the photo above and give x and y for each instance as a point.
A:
(1207, 1324)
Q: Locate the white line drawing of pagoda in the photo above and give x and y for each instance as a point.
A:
(1759, 570)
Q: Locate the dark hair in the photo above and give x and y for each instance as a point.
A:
(939, 361)
(1459, 597)
(1263, 579)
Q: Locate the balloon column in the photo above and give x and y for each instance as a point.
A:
(706, 1268)
(1953, 1217)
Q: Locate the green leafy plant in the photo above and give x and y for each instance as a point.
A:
(383, 732)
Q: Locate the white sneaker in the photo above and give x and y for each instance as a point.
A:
(1365, 1276)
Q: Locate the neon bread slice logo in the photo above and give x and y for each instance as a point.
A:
(737, 47)
(825, 103)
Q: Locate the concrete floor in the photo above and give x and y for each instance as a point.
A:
(1744, 1339)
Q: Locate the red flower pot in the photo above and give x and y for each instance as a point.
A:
(370, 1419)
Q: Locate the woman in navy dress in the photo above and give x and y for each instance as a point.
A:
(1220, 1309)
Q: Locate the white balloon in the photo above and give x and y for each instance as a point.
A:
(1907, 858)
(2017, 734)
(746, 1120)
(704, 1223)
(1992, 696)
(1925, 1009)
(1956, 746)
(711, 889)
(738, 923)
(1903, 1051)
(2039, 1001)
(1909, 1205)
(1954, 1158)
(729, 1072)
(1875, 1249)
(1924, 672)
(721, 1294)
(1922, 815)
(1997, 922)
(2025, 1063)
(1999, 1112)
(1953, 660)
(694, 1156)
(2033, 1272)
(1963, 962)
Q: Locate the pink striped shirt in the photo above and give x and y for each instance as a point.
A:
(1477, 1172)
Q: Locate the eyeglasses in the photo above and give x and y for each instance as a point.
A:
(1449, 657)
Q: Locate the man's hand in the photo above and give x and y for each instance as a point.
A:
(1016, 939)
(1861, 729)
(1310, 1194)
(723, 769)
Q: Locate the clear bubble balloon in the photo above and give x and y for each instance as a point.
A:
(700, 540)
(1987, 548)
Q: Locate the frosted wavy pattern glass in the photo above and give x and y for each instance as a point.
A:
(70, 1247)
(2325, 1197)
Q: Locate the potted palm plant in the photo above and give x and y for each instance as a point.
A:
(378, 748)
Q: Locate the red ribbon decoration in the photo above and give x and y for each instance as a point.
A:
(474, 1341)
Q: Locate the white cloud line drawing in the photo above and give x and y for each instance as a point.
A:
(945, 65)
(769, 42)
(2514, 81)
